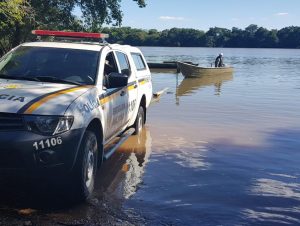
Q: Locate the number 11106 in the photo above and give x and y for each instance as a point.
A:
(48, 143)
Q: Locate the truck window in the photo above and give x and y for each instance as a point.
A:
(75, 65)
(124, 64)
(138, 61)
(109, 67)
(110, 64)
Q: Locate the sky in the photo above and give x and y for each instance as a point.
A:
(203, 14)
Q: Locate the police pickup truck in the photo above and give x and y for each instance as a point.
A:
(63, 102)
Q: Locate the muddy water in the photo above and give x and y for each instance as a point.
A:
(224, 150)
(216, 151)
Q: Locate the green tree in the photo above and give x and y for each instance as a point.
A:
(265, 39)
(55, 14)
(250, 35)
(117, 34)
(191, 37)
(58, 14)
(152, 38)
(13, 15)
(164, 38)
(98, 12)
(19, 17)
(238, 38)
(289, 37)
(136, 37)
(217, 37)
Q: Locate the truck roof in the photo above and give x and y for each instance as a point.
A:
(66, 45)
(84, 46)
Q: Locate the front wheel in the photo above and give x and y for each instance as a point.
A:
(139, 121)
(84, 172)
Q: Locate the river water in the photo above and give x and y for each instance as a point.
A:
(223, 150)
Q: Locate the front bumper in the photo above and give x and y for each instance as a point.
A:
(24, 150)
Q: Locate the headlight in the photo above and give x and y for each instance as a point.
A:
(48, 125)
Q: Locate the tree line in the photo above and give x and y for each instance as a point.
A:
(252, 36)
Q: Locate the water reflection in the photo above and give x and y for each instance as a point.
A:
(163, 70)
(184, 153)
(189, 86)
(118, 179)
(285, 190)
(276, 188)
(272, 216)
(128, 165)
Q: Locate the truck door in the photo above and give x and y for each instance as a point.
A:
(132, 84)
(114, 100)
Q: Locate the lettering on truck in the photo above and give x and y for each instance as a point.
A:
(88, 106)
(11, 97)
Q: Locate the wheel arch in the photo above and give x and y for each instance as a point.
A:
(143, 104)
(96, 126)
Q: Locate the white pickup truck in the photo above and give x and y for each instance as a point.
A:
(63, 102)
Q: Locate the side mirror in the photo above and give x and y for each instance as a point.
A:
(116, 80)
(126, 72)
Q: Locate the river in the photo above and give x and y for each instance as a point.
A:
(221, 150)
(224, 150)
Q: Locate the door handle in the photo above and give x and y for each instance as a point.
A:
(122, 93)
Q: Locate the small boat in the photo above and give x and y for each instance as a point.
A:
(189, 70)
(166, 66)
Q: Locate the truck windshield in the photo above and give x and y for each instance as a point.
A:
(59, 65)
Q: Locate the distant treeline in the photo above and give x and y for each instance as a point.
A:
(251, 37)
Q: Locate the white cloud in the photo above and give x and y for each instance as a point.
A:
(281, 14)
(170, 18)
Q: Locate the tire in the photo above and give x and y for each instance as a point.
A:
(139, 121)
(84, 172)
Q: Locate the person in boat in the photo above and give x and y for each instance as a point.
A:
(219, 61)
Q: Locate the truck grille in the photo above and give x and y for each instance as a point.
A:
(9, 122)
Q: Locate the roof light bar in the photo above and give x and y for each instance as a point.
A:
(69, 34)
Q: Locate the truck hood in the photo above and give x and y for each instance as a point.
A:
(26, 97)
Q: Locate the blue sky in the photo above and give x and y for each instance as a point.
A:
(203, 14)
